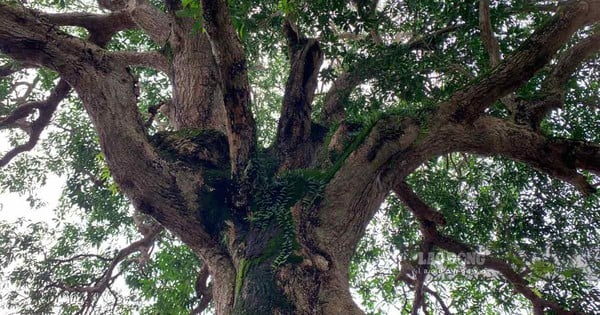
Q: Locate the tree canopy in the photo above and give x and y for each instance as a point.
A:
(432, 156)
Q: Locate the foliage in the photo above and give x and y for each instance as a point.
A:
(544, 228)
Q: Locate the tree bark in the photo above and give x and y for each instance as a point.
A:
(202, 183)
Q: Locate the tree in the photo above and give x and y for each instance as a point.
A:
(473, 126)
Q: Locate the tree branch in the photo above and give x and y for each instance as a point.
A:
(406, 274)
(101, 26)
(294, 129)
(149, 18)
(333, 108)
(391, 151)
(108, 92)
(349, 208)
(429, 230)
(203, 291)
(46, 110)
(30, 86)
(571, 60)
(553, 91)
(421, 211)
(147, 59)
(410, 281)
(559, 158)
(230, 57)
(487, 34)
(422, 270)
(493, 263)
(104, 282)
(469, 103)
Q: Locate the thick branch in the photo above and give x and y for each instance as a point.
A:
(149, 18)
(467, 104)
(553, 91)
(108, 92)
(559, 158)
(10, 68)
(46, 109)
(391, 151)
(294, 129)
(420, 210)
(241, 127)
(101, 26)
(487, 34)
(571, 60)
(347, 209)
(147, 59)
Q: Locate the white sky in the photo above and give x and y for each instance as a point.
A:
(13, 206)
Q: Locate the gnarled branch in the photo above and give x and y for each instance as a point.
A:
(103, 283)
(101, 26)
(46, 108)
(420, 210)
(109, 96)
(553, 91)
(430, 232)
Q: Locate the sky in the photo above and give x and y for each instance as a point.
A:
(13, 206)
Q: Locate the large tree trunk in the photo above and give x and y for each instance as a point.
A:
(306, 283)
(275, 253)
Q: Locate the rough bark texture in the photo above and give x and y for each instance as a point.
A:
(200, 183)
